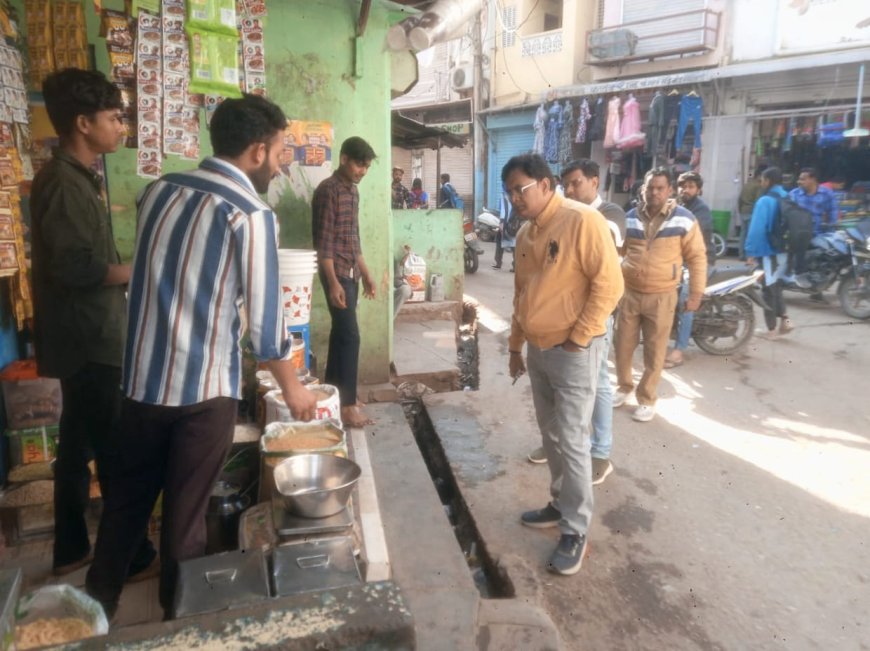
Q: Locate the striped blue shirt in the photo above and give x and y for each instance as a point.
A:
(206, 258)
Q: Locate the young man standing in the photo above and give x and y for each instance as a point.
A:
(567, 284)
(206, 252)
(659, 237)
(689, 187)
(79, 299)
(401, 198)
(581, 184)
(335, 225)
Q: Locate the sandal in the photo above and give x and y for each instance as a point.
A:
(670, 363)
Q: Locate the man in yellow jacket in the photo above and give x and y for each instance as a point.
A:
(567, 284)
(659, 237)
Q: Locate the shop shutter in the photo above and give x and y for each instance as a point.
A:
(660, 23)
(503, 144)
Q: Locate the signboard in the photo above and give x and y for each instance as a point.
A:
(800, 24)
(459, 128)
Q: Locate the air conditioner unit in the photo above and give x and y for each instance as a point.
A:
(462, 77)
(615, 44)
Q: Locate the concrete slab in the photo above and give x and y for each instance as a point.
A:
(425, 557)
(424, 347)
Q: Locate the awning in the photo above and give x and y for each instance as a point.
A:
(408, 134)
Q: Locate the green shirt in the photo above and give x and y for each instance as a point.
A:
(77, 319)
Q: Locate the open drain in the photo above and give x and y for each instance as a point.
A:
(491, 581)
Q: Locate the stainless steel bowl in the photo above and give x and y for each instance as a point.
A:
(316, 485)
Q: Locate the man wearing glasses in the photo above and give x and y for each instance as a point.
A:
(568, 282)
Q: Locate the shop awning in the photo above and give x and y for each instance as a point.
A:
(409, 134)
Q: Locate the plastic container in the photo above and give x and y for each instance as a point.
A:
(436, 287)
(32, 445)
(30, 400)
(282, 440)
(328, 405)
(296, 270)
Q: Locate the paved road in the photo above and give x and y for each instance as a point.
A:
(738, 519)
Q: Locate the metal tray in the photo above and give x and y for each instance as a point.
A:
(287, 524)
(309, 566)
(221, 581)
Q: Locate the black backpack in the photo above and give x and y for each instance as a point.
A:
(792, 227)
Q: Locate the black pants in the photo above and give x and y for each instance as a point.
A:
(342, 362)
(88, 429)
(499, 251)
(179, 450)
(772, 295)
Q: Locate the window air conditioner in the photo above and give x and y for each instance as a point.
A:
(614, 44)
(462, 77)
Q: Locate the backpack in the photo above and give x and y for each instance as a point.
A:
(792, 227)
(452, 198)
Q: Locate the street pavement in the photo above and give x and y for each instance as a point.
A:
(739, 518)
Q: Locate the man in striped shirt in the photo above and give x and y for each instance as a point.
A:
(206, 261)
(335, 227)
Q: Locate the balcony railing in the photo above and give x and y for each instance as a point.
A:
(544, 43)
(691, 32)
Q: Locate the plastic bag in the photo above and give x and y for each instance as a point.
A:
(59, 601)
(414, 271)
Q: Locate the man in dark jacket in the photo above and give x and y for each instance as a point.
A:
(689, 187)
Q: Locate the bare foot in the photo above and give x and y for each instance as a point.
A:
(353, 416)
(674, 359)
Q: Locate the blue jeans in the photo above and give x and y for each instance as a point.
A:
(690, 111)
(563, 390)
(602, 414)
(684, 329)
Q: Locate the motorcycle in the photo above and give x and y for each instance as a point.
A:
(487, 225)
(827, 260)
(472, 252)
(854, 289)
(725, 321)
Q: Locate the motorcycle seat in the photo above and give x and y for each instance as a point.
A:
(726, 273)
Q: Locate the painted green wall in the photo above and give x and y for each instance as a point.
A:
(316, 69)
(436, 236)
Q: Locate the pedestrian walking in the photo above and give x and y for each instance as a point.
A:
(206, 253)
(567, 284)
(659, 237)
(335, 225)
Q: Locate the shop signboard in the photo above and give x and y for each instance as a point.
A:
(846, 24)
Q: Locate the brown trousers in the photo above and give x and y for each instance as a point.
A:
(653, 315)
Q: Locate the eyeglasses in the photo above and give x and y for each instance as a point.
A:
(519, 192)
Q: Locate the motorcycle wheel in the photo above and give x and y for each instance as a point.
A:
(719, 245)
(737, 312)
(486, 235)
(471, 261)
(855, 298)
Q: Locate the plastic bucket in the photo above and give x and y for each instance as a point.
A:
(296, 293)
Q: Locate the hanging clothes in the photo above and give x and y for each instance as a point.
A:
(611, 130)
(672, 114)
(551, 136)
(596, 124)
(691, 109)
(583, 117)
(539, 124)
(630, 135)
(656, 121)
(565, 151)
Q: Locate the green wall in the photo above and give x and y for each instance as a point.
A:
(436, 236)
(316, 69)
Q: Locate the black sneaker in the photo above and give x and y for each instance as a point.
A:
(496, 266)
(568, 556)
(548, 516)
(600, 469)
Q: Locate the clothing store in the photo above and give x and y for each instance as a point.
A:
(627, 127)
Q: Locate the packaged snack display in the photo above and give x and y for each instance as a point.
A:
(213, 15)
(213, 63)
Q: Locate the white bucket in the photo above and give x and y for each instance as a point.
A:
(296, 293)
(328, 405)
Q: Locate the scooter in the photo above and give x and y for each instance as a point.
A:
(725, 321)
(487, 225)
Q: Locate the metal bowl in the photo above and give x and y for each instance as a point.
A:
(315, 485)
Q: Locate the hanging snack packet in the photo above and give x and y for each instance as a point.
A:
(214, 65)
(213, 15)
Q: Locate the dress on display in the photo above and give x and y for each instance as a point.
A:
(630, 137)
(611, 130)
(583, 118)
(596, 124)
(656, 121)
(554, 127)
(565, 152)
(540, 124)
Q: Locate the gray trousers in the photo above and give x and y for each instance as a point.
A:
(563, 390)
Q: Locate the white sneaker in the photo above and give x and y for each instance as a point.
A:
(619, 397)
(644, 413)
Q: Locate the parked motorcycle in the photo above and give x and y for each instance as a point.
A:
(725, 321)
(487, 225)
(472, 252)
(854, 289)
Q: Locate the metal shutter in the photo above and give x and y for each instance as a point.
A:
(654, 11)
(503, 144)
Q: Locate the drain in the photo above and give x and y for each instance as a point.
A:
(491, 581)
(467, 351)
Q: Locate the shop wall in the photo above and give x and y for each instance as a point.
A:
(722, 165)
(436, 236)
(458, 162)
